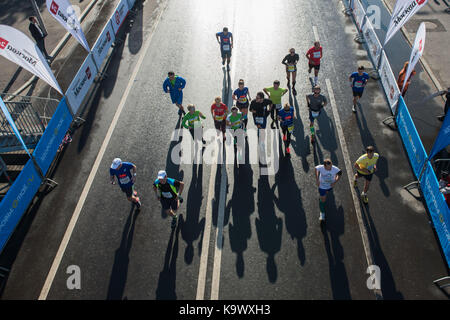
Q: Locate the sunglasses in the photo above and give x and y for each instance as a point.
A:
(327, 163)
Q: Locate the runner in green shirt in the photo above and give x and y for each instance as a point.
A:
(234, 120)
(193, 119)
(275, 93)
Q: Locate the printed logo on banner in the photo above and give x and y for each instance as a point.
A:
(117, 17)
(108, 36)
(3, 43)
(392, 92)
(54, 8)
(88, 73)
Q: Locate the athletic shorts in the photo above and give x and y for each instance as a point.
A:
(169, 203)
(220, 125)
(368, 177)
(263, 124)
(242, 105)
(128, 191)
(317, 66)
(225, 54)
(357, 93)
(177, 98)
(323, 192)
(311, 118)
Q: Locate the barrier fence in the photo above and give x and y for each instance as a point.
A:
(26, 185)
(429, 185)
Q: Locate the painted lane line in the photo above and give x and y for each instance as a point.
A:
(62, 247)
(316, 33)
(349, 170)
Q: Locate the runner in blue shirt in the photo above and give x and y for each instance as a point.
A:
(225, 39)
(174, 85)
(242, 97)
(287, 117)
(358, 81)
(126, 177)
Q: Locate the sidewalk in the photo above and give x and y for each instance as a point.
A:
(437, 42)
(15, 13)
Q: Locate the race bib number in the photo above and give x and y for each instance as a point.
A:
(259, 120)
(219, 118)
(242, 99)
(291, 68)
(125, 180)
(358, 84)
(226, 47)
(291, 128)
(315, 114)
(278, 106)
(316, 54)
(166, 194)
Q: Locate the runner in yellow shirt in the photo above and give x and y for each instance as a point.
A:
(365, 166)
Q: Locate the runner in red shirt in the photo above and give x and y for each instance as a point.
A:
(314, 55)
(219, 112)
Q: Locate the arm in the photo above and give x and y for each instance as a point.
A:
(155, 189)
(266, 92)
(284, 61)
(231, 40)
(165, 86)
(201, 115)
(113, 181)
(183, 123)
(248, 94)
(365, 170)
(337, 178)
(181, 188)
(133, 171)
(325, 102)
(183, 82)
(217, 38)
(317, 177)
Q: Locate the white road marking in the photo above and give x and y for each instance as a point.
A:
(316, 33)
(62, 247)
(349, 170)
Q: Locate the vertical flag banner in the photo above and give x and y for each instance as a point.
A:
(403, 11)
(416, 52)
(443, 138)
(63, 11)
(18, 48)
(12, 124)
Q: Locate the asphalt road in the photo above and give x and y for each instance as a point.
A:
(272, 245)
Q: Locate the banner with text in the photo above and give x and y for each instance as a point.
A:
(438, 209)
(389, 82)
(403, 11)
(80, 85)
(18, 48)
(372, 41)
(119, 15)
(416, 52)
(411, 140)
(65, 14)
(103, 43)
(359, 14)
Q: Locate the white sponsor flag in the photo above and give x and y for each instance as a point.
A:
(63, 11)
(416, 52)
(403, 10)
(17, 47)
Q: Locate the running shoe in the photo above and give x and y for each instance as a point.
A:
(228, 67)
(294, 91)
(312, 139)
(284, 137)
(138, 203)
(364, 198)
(355, 183)
(181, 199)
(322, 216)
(353, 108)
(272, 125)
(174, 222)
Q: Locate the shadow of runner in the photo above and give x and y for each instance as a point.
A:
(301, 143)
(331, 231)
(192, 228)
(388, 288)
(289, 202)
(326, 134)
(168, 276)
(269, 227)
(136, 36)
(242, 205)
(119, 272)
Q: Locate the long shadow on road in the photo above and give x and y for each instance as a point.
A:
(119, 273)
(301, 143)
(331, 232)
(289, 202)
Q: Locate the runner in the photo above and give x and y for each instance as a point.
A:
(315, 102)
(240, 96)
(234, 121)
(225, 39)
(287, 117)
(358, 82)
(275, 93)
(174, 85)
(314, 55)
(166, 192)
(126, 176)
(365, 166)
(219, 113)
(259, 109)
(327, 175)
(290, 61)
(193, 120)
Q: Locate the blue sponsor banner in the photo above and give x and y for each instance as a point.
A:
(438, 209)
(17, 200)
(443, 138)
(408, 132)
(53, 135)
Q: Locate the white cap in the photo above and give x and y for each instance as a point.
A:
(116, 163)
(162, 174)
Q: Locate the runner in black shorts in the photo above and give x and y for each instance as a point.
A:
(242, 97)
(168, 191)
(290, 61)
